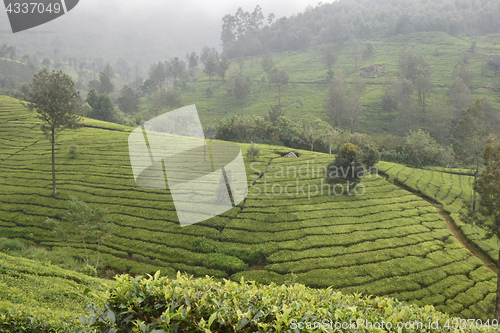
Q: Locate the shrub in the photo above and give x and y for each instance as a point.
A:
(73, 151)
(253, 151)
(12, 245)
(156, 304)
(205, 245)
(88, 270)
(223, 262)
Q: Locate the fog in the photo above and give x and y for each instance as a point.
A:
(140, 31)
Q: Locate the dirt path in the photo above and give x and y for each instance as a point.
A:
(451, 225)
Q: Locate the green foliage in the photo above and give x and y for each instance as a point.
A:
(12, 245)
(157, 304)
(226, 263)
(253, 151)
(85, 224)
(39, 297)
(73, 151)
(89, 270)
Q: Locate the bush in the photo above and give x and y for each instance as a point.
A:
(73, 151)
(205, 245)
(223, 262)
(253, 151)
(156, 304)
(12, 245)
(88, 270)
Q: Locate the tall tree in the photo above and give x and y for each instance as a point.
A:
(354, 106)
(192, 59)
(487, 214)
(222, 67)
(128, 101)
(210, 59)
(354, 50)
(329, 56)
(417, 71)
(175, 68)
(335, 101)
(313, 129)
(267, 64)
(238, 86)
(279, 78)
(57, 102)
(470, 138)
(158, 74)
(105, 84)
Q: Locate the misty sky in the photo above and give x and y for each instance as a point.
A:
(141, 31)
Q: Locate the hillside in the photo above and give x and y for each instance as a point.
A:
(307, 89)
(386, 241)
(48, 294)
(39, 297)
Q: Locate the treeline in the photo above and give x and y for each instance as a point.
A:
(468, 134)
(250, 33)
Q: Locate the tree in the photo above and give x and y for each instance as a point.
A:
(192, 59)
(460, 94)
(313, 129)
(279, 78)
(222, 67)
(158, 74)
(346, 166)
(487, 214)
(172, 98)
(330, 136)
(238, 86)
(274, 113)
(335, 101)
(57, 102)
(417, 71)
(92, 98)
(128, 101)
(210, 59)
(84, 224)
(440, 118)
(267, 64)
(329, 56)
(104, 109)
(469, 138)
(105, 84)
(175, 68)
(354, 51)
(354, 106)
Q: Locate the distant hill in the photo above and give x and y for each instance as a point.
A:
(308, 86)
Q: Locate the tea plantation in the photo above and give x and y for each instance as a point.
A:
(449, 187)
(383, 242)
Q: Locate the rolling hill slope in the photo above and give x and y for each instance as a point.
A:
(307, 89)
(384, 241)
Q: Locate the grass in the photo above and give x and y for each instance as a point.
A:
(306, 92)
(386, 242)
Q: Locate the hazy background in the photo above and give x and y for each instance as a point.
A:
(139, 31)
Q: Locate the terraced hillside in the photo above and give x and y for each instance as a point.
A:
(449, 187)
(46, 293)
(384, 241)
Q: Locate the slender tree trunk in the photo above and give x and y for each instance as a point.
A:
(423, 102)
(474, 193)
(279, 95)
(497, 303)
(98, 252)
(86, 253)
(53, 163)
